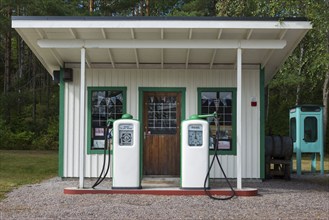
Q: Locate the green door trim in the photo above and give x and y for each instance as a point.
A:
(61, 124)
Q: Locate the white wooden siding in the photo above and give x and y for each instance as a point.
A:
(189, 79)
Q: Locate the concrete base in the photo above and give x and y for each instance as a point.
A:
(163, 191)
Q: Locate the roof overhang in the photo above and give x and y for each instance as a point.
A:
(162, 42)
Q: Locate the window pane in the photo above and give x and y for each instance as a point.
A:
(105, 104)
(223, 102)
(293, 129)
(162, 114)
(310, 129)
(311, 109)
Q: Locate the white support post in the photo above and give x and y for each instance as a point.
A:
(239, 120)
(82, 118)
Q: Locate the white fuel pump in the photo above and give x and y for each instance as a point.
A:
(126, 153)
(195, 152)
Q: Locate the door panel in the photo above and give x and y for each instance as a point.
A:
(161, 119)
(150, 160)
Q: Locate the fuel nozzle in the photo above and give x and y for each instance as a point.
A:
(109, 121)
(215, 114)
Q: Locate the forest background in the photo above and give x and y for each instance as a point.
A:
(29, 100)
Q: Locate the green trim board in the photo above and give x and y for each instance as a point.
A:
(233, 90)
(61, 124)
(141, 90)
(262, 121)
(90, 90)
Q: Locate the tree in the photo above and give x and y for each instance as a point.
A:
(134, 7)
(236, 8)
(305, 73)
(195, 8)
(303, 79)
(26, 111)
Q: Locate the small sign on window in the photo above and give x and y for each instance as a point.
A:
(224, 145)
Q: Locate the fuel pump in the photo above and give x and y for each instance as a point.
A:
(126, 153)
(195, 152)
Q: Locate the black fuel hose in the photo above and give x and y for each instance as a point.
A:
(101, 177)
(207, 192)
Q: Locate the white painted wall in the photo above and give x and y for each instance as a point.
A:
(189, 79)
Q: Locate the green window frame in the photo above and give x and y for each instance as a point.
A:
(229, 116)
(103, 103)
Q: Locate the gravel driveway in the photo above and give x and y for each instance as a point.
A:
(305, 197)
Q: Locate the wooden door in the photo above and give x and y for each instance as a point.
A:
(161, 120)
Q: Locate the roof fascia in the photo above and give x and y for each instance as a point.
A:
(217, 24)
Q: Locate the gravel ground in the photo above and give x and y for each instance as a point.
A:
(305, 197)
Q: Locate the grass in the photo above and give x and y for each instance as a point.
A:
(18, 168)
(306, 163)
(314, 178)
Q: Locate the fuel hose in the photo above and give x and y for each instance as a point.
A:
(206, 189)
(103, 175)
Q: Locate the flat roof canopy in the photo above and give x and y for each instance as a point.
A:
(161, 42)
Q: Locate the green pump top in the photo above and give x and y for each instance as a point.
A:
(127, 116)
(124, 116)
(194, 117)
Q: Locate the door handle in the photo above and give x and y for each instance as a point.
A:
(148, 133)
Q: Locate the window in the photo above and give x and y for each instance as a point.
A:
(310, 129)
(103, 103)
(293, 129)
(310, 108)
(162, 112)
(224, 102)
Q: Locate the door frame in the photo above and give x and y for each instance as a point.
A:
(141, 91)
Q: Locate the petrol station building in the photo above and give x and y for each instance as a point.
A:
(161, 70)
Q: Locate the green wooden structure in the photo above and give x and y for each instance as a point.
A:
(306, 130)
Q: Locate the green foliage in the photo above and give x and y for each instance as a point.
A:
(49, 140)
(300, 80)
(124, 7)
(14, 140)
(28, 140)
(195, 8)
(25, 167)
(306, 67)
(22, 130)
(236, 8)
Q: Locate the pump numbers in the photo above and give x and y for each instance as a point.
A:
(195, 135)
(126, 135)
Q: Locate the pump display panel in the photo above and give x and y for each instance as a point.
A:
(126, 135)
(195, 135)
